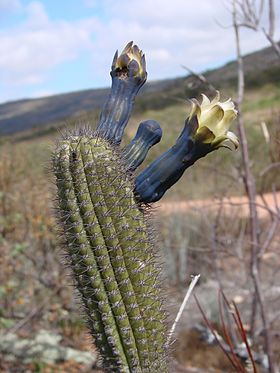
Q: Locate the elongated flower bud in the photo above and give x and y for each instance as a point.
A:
(148, 134)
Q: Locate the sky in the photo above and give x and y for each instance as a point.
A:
(55, 46)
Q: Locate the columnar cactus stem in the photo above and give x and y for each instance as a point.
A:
(111, 253)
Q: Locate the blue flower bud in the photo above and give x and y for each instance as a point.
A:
(148, 134)
(152, 183)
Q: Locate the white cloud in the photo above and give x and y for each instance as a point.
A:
(42, 93)
(90, 3)
(37, 17)
(29, 51)
(8, 6)
(173, 33)
(178, 13)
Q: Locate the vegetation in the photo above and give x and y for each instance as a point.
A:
(35, 292)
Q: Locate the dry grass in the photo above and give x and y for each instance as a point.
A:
(212, 243)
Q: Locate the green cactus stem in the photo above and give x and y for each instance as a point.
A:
(111, 253)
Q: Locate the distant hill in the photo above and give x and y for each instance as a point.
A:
(261, 67)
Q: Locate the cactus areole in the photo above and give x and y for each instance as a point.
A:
(106, 230)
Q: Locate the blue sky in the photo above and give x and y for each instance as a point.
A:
(54, 46)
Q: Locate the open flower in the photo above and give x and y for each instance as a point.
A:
(205, 130)
(214, 119)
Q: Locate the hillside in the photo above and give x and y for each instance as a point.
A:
(261, 67)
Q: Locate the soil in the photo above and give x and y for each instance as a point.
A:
(268, 203)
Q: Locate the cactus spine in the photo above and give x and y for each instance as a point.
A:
(111, 253)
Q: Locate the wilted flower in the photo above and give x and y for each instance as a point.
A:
(214, 119)
(131, 60)
(128, 75)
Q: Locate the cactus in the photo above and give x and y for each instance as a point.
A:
(111, 253)
(106, 227)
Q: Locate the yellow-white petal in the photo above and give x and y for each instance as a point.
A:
(195, 109)
(228, 105)
(226, 122)
(205, 101)
(233, 138)
(210, 118)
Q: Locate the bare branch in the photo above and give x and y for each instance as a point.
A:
(271, 233)
(200, 77)
(182, 307)
(250, 187)
(273, 43)
(271, 19)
